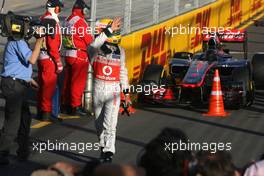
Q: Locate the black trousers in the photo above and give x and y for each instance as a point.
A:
(17, 119)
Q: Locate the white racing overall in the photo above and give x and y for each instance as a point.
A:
(110, 78)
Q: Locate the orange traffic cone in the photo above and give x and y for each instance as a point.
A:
(216, 104)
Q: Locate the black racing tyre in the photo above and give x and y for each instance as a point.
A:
(258, 70)
(153, 74)
(243, 75)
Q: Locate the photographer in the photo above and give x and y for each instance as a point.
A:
(16, 79)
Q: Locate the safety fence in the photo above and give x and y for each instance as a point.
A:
(139, 14)
(158, 43)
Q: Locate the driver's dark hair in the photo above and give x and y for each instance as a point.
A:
(160, 162)
(215, 164)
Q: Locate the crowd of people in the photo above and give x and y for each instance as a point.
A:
(154, 160)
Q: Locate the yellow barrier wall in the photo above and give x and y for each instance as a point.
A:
(155, 45)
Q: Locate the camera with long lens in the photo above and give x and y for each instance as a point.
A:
(22, 27)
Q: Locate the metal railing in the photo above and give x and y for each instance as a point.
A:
(139, 14)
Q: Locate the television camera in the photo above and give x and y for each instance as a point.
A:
(23, 27)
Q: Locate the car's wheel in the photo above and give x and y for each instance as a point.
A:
(242, 75)
(153, 75)
(258, 70)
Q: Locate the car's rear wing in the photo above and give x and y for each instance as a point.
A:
(230, 36)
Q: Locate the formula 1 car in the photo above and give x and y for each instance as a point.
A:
(188, 77)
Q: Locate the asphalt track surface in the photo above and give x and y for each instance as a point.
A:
(243, 128)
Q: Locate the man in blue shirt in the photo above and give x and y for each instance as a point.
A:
(16, 63)
(16, 79)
